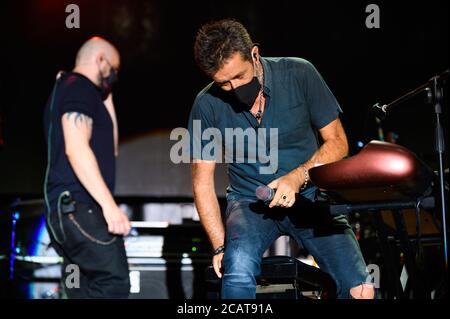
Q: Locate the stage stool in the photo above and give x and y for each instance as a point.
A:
(282, 277)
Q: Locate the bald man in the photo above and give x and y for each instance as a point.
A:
(84, 222)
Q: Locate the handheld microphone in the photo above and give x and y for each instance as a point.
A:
(264, 193)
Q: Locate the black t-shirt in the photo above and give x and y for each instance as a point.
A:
(76, 93)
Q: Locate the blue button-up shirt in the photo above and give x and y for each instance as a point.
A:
(298, 103)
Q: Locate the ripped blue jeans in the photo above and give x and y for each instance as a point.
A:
(252, 227)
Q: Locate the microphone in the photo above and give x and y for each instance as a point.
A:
(264, 193)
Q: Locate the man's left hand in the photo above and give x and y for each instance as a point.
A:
(286, 187)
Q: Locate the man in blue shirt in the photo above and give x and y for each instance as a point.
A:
(276, 108)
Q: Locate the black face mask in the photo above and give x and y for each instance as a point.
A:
(247, 93)
(106, 83)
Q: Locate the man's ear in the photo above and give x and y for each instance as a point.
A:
(255, 53)
(99, 58)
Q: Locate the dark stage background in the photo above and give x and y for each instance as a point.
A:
(159, 79)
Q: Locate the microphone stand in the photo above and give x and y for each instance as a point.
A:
(434, 91)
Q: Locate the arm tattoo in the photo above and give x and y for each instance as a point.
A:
(79, 118)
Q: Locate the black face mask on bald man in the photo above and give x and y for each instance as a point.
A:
(106, 83)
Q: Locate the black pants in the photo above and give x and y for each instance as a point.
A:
(88, 247)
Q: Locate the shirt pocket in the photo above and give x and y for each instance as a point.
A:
(291, 117)
(292, 121)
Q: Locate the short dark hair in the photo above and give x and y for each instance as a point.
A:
(217, 41)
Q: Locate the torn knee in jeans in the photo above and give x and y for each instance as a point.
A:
(363, 291)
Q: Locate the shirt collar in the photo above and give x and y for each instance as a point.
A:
(267, 76)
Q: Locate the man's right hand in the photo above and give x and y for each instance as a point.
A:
(217, 264)
(117, 221)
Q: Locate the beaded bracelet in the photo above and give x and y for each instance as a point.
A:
(305, 172)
